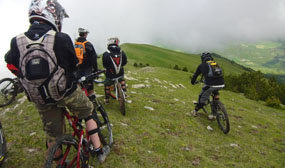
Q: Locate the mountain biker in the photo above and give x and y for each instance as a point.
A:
(212, 84)
(45, 57)
(114, 60)
(89, 62)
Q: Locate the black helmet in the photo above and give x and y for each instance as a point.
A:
(206, 56)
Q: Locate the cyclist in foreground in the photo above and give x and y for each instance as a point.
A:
(213, 81)
(44, 60)
(114, 60)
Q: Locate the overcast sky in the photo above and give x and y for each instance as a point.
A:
(186, 25)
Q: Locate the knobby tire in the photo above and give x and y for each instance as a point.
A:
(222, 118)
(69, 146)
(8, 91)
(103, 122)
(3, 146)
(121, 99)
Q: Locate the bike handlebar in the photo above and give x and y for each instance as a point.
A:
(91, 76)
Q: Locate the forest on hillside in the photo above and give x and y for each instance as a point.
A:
(256, 86)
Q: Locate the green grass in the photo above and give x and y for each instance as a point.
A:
(168, 136)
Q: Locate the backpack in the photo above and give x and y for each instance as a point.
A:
(215, 71)
(80, 50)
(42, 79)
(116, 60)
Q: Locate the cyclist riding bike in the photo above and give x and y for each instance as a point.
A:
(87, 58)
(44, 60)
(213, 81)
(114, 60)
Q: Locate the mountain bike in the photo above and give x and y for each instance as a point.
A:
(9, 89)
(3, 146)
(77, 147)
(117, 92)
(217, 108)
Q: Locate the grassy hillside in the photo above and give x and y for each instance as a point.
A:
(268, 57)
(168, 136)
(155, 56)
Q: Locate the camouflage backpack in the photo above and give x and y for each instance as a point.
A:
(43, 80)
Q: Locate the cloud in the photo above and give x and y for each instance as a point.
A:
(188, 25)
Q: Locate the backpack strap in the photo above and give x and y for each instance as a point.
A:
(117, 68)
(83, 44)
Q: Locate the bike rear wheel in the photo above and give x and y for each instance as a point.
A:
(121, 98)
(103, 122)
(3, 146)
(69, 147)
(8, 91)
(222, 117)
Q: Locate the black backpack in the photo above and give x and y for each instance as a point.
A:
(215, 71)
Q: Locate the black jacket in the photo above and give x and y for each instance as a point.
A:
(63, 48)
(204, 69)
(90, 58)
(108, 63)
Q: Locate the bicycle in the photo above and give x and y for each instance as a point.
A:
(77, 147)
(217, 108)
(9, 89)
(119, 95)
(3, 146)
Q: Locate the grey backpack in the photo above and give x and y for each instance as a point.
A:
(43, 80)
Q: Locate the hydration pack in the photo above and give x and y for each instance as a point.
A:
(43, 80)
(80, 50)
(117, 61)
(215, 71)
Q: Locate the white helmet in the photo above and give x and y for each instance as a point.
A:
(113, 40)
(48, 10)
(82, 30)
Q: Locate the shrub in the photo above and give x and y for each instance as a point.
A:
(147, 65)
(185, 69)
(176, 67)
(141, 65)
(135, 64)
(273, 102)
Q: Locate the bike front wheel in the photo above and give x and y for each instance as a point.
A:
(67, 145)
(3, 146)
(121, 98)
(8, 91)
(222, 117)
(102, 119)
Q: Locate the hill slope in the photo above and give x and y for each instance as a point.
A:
(168, 136)
(155, 56)
(268, 57)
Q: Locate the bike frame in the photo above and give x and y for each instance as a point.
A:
(116, 83)
(78, 131)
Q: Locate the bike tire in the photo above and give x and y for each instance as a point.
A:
(69, 146)
(103, 122)
(8, 91)
(222, 117)
(121, 99)
(3, 146)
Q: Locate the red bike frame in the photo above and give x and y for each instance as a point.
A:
(79, 132)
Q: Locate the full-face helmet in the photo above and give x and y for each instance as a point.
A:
(47, 10)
